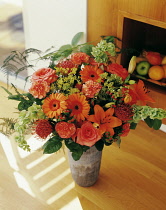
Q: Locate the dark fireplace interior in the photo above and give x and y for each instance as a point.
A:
(139, 36)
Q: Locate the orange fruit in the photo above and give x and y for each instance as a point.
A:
(164, 67)
(156, 72)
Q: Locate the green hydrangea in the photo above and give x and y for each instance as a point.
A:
(142, 112)
(25, 120)
(101, 51)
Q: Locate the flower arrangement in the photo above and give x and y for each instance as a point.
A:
(83, 98)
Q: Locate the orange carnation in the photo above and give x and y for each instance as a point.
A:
(39, 89)
(79, 58)
(44, 74)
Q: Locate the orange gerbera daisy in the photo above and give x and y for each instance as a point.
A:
(54, 105)
(79, 106)
(91, 73)
(104, 119)
(141, 93)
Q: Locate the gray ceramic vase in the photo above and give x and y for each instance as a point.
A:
(85, 171)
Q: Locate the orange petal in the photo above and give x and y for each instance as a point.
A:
(99, 113)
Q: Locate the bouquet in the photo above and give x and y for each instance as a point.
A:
(82, 98)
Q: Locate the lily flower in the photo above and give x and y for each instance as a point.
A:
(104, 120)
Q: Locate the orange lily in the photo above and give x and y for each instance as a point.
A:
(141, 93)
(104, 119)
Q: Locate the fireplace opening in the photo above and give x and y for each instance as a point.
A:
(138, 36)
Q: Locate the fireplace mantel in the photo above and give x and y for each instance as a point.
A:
(108, 17)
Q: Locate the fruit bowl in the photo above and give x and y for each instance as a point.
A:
(149, 66)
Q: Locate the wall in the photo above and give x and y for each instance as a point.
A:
(53, 22)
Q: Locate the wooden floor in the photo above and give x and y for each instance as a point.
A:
(131, 178)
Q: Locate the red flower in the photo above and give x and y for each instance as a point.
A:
(79, 58)
(39, 89)
(117, 69)
(126, 129)
(87, 135)
(44, 74)
(43, 128)
(124, 112)
(94, 63)
(66, 66)
(65, 130)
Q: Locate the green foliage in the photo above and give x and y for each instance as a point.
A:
(99, 145)
(76, 38)
(76, 149)
(52, 145)
(87, 49)
(118, 142)
(153, 123)
(133, 125)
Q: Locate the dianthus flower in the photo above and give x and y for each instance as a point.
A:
(91, 88)
(39, 89)
(44, 74)
(79, 58)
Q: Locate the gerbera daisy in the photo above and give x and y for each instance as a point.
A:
(79, 106)
(54, 105)
(91, 73)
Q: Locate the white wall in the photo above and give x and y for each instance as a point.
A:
(53, 22)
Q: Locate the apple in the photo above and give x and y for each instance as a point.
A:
(154, 58)
(142, 68)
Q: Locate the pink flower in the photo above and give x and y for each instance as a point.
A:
(44, 74)
(79, 58)
(88, 135)
(39, 89)
(65, 130)
(117, 69)
(90, 88)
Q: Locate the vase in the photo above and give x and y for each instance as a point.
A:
(85, 171)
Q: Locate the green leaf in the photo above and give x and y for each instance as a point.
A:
(65, 47)
(76, 156)
(76, 149)
(24, 105)
(99, 145)
(52, 145)
(133, 125)
(87, 49)
(157, 124)
(109, 38)
(149, 122)
(118, 142)
(76, 38)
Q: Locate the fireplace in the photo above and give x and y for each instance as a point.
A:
(139, 33)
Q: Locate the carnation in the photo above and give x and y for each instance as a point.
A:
(44, 74)
(90, 88)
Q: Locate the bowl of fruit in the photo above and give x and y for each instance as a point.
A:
(150, 66)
